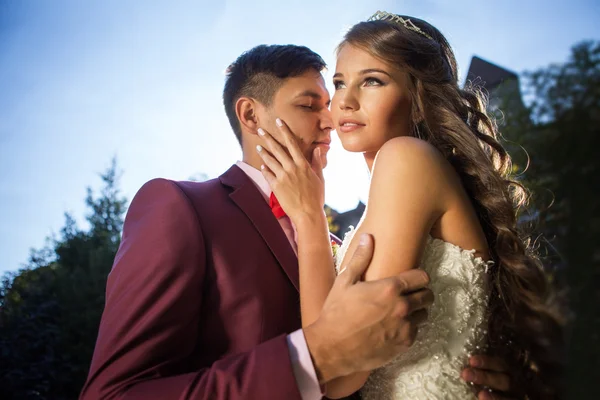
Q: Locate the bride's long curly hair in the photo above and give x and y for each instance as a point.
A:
(526, 323)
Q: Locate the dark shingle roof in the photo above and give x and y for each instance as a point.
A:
(490, 74)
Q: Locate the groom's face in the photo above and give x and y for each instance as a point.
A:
(302, 102)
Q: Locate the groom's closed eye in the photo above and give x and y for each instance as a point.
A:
(317, 106)
(311, 99)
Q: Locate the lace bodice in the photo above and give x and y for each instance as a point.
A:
(456, 327)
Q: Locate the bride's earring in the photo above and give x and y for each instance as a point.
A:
(417, 121)
(417, 132)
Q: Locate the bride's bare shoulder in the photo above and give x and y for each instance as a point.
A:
(411, 157)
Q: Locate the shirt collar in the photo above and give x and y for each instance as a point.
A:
(257, 178)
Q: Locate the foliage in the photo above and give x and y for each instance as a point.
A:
(50, 310)
(560, 130)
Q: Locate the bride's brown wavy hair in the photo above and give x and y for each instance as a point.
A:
(526, 323)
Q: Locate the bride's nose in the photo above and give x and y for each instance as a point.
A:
(348, 100)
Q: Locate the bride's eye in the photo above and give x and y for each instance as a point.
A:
(338, 85)
(373, 82)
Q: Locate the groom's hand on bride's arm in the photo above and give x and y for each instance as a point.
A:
(489, 372)
(363, 325)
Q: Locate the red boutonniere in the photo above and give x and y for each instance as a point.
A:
(334, 248)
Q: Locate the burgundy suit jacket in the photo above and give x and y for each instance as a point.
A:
(200, 299)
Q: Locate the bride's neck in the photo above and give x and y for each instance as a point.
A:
(370, 159)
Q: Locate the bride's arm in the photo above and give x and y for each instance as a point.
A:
(405, 199)
(299, 188)
(408, 194)
(316, 265)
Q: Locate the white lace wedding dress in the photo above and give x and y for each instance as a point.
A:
(456, 327)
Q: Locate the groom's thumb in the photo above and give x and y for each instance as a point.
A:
(360, 260)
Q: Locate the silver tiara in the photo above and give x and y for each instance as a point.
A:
(408, 24)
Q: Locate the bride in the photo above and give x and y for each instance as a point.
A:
(441, 198)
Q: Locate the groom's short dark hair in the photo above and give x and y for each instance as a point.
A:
(259, 72)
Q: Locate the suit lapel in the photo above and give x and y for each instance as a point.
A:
(248, 198)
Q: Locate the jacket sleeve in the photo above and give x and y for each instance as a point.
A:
(150, 323)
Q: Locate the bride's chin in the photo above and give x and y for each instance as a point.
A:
(353, 146)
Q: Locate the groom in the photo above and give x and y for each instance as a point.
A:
(202, 301)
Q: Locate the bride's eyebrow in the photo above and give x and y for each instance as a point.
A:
(373, 70)
(364, 72)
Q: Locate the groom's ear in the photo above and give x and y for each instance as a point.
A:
(246, 110)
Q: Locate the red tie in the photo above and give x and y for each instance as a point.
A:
(275, 207)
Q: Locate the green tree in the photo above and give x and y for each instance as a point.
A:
(50, 310)
(561, 132)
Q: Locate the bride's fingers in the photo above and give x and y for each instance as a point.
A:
(270, 161)
(485, 394)
(494, 380)
(488, 362)
(290, 142)
(276, 150)
(269, 175)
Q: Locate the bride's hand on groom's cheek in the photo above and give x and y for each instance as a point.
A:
(297, 183)
(492, 374)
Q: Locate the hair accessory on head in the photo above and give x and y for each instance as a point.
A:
(408, 24)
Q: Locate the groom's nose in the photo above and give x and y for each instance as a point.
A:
(326, 121)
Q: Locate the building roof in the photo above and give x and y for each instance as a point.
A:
(346, 219)
(491, 75)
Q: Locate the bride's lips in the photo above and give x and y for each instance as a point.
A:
(349, 125)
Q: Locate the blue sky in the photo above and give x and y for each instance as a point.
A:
(82, 81)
